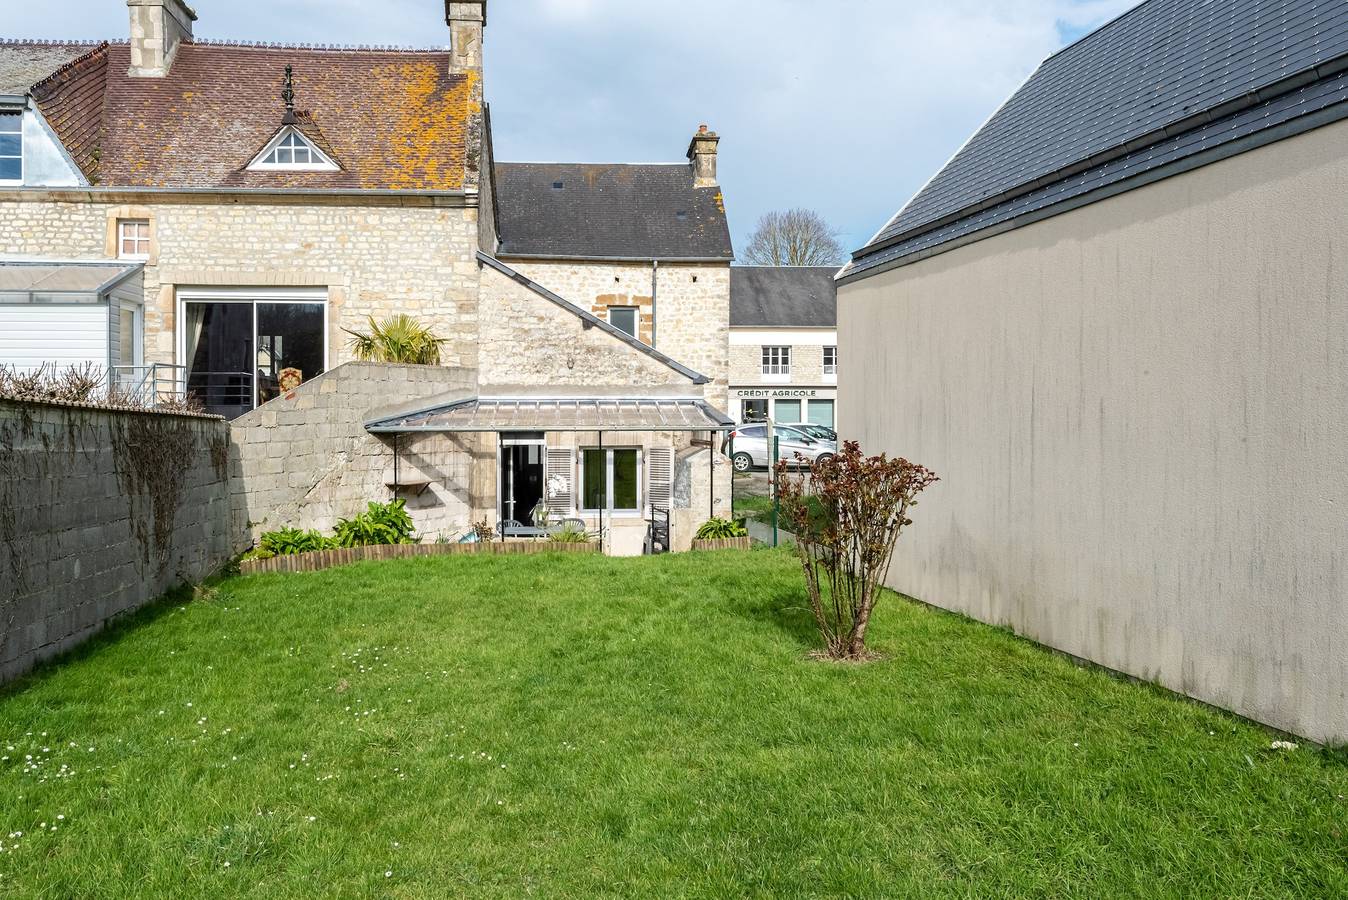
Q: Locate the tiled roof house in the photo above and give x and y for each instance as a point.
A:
(257, 202)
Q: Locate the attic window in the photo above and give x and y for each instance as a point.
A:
(291, 151)
(11, 147)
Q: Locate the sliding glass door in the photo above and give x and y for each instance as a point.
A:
(242, 350)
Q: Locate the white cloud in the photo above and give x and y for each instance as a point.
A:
(845, 106)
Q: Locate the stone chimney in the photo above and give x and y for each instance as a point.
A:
(466, 20)
(157, 28)
(702, 154)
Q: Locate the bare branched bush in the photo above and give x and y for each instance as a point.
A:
(84, 383)
(847, 512)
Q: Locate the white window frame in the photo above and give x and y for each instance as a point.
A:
(636, 319)
(323, 162)
(775, 361)
(253, 296)
(608, 483)
(122, 239)
(831, 368)
(19, 116)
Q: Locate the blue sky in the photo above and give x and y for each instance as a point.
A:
(846, 107)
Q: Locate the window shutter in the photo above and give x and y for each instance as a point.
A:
(660, 480)
(560, 475)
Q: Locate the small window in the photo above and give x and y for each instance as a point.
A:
(611, 480)
(133, 239)
(623, 318)
(830, 360)
(558, 185)
(11, 147)
(294, 152)
(776, 360)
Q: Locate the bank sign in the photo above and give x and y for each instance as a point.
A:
(776, 394)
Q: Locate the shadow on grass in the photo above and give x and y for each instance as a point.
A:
(786, 611)
(113, 632)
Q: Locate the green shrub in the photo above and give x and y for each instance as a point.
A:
(381, 523)
(290, 541)
(720, 529)
(570, 534)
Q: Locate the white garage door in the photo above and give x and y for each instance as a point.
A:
(32, 334)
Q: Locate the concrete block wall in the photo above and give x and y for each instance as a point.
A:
(102, 511)
(305, 459)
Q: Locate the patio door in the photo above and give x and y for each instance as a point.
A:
(242, 348)
(521, 476)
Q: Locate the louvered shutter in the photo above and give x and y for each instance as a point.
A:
(660, 480)
(560, 475)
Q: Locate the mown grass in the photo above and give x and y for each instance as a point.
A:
(585, 727)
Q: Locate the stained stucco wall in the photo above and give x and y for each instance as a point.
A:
(374, 260)
(1137, 409)
(689, 319)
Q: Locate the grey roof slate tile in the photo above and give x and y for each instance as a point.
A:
(25, 63)
(1126, 92)
(609, 211)
(783, 297)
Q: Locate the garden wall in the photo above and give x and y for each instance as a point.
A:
(102, 511)
(306, 460)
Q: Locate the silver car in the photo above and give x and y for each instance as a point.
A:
(818, 432)
(749, 446)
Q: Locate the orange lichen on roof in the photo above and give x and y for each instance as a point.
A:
(393, 120)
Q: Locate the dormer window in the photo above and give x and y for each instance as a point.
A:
(11, 148)
(291, 151)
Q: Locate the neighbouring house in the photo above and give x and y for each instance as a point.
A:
(1116, 324)
(270, 198)
(784, 344)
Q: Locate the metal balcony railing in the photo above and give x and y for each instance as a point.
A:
(150, 384)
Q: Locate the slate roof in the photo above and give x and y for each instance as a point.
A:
(609, 211)
(1157, 90)
(783, 297)
(393, 119)
(25, 63)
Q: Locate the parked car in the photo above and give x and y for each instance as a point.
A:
(818, 432)
(749, 446)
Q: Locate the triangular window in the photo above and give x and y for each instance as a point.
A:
(292, 151)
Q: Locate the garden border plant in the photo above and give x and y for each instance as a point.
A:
(847, 512)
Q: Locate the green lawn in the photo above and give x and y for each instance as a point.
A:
(584, 727)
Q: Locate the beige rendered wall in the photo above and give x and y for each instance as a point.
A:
(1137, 411)
(692, 306)
(374, 260)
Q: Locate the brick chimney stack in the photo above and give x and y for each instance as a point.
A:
(466, 20)
(157, 28)
(702, 154)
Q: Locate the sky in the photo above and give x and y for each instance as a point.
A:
(845, 107)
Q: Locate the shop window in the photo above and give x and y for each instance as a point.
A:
(754, 411)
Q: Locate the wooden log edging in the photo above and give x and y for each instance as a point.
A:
(739, 543)
(327, 559)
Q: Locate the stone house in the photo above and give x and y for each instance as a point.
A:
(784, 344)
(1115, 325)
(270, 198)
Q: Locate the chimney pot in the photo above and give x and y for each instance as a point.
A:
(702, 154)
(158, 28)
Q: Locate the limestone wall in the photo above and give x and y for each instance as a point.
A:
(691, 322)
(527, 339)
(102, 511)
(305, 460)
(807, 363)
(374, 260)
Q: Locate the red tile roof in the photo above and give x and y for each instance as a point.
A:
(393, 119)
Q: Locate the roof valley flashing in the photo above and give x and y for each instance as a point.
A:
(1091, 121)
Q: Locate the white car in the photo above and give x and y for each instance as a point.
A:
(749, 446)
